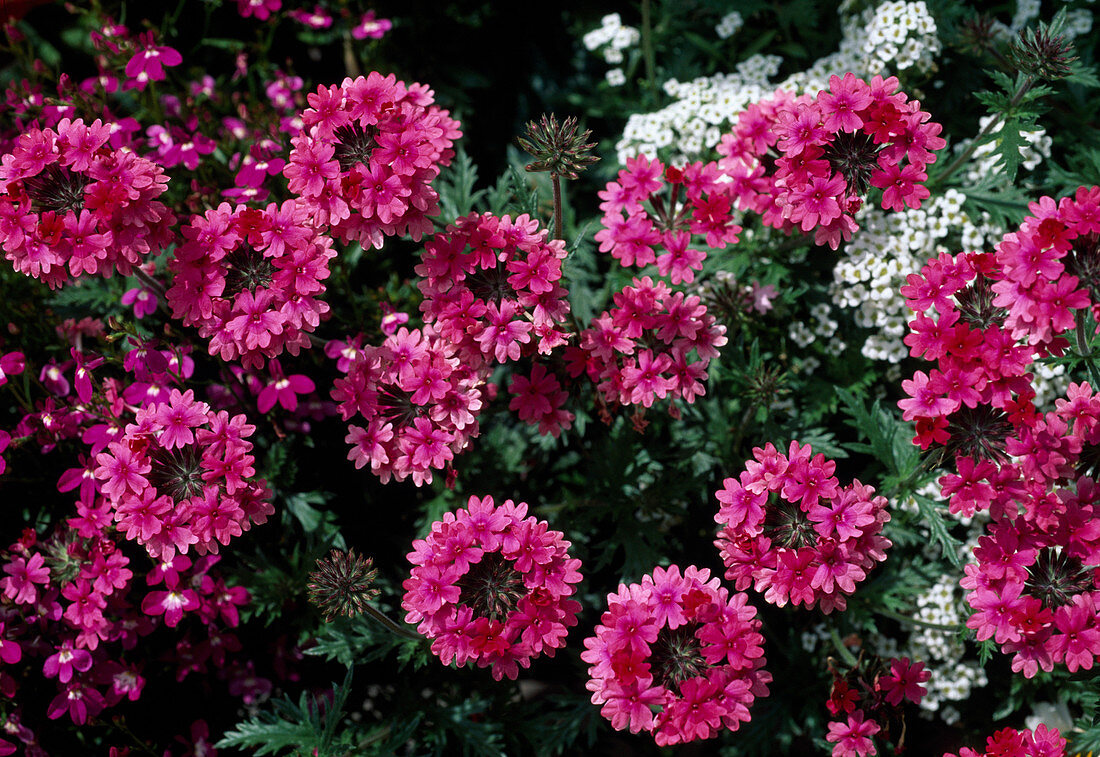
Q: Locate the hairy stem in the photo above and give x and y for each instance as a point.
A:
(391, 626)
(556, 180)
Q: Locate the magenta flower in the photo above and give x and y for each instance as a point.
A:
(676, 656)
(640, 218)
(283, 389)
(833, 148)
(679, 336)
(143, 301)
(853, 738)
(251, 280)
(172, 604)
(149, 61)
(70, 206)
(181, 476)
(490, 585)
(261, 9)
(65, 661)
(492, 285)
(419, 401)
(371, 27)
(904, 681)
(23, 574)
(790, 530)
(365, 160)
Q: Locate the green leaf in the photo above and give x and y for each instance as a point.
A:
(455, 185)
(308, 725)
(937, 525)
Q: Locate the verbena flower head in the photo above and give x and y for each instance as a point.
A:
(1008, 742)
(367, 155)
(653, 207)
(70, 205)
(181, 476)
(832, 149)
(1032, 585)
(655, 344)
(1050, 269)
(791, 531)
(491, 585)
(492, 288)
(677, 656)
(419, 400)
(251, 279)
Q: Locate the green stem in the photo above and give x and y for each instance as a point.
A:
(393, 627)
(647, 49)
(556, 180)
(965, 155)
(150, 282)
(914, 621)
(845, 654)
(351, 62)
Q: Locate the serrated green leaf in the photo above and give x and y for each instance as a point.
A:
(937, 526)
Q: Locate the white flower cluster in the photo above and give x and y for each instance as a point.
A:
(1026, 11)
(1078, 22)
(702, 111)
(705, 108)
(898, 37)
(885, 250)
(820, 326)
(611, 38)
(729, 25)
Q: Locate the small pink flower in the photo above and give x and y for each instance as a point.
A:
(371, 27)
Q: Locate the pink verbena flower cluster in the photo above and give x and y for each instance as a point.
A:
(981, 379)
(250, 280)
(70, 205)
(1028, 584)
(832, 148)
(867, 698)
(1048, 269)
(677, 656)
(181, 476)
(492, 288)
(365, 160)
(640, 215)
(791, 531)
(654, 344)
(491, 584)
(419, 400)
(1008, 742)
(1031, 587)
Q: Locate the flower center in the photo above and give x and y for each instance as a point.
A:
(978, 433)
(676, 657)
(57, 189)
(178, 472)
(1056, 578)
(396, 404)
(492, 587)
(854, 157)
(355, 146)
(787, 526)
(975, 305)
(491, 284)
(247, 270)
